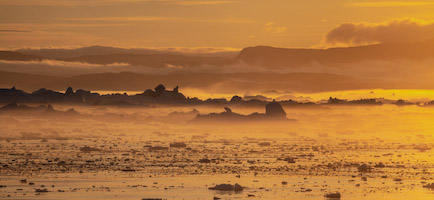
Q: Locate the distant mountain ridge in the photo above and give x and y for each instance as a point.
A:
(58, 53)
(152, 60)
(287, 57)
(266, 56)
(110, 55)
(280, 68)
(15, 56)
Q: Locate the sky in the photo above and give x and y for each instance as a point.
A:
(232, 24)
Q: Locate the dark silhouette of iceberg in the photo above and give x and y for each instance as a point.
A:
(273, 112)
(336, 101)
(159, 96)
(48, 109)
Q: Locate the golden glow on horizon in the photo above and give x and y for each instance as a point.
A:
(392, 94)
(390, 4)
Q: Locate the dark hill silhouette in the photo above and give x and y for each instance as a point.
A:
(14, 56)
(269, 57)
(75, 52)
(154, 60)
(286, 57)
(58, 53)
(110, 55)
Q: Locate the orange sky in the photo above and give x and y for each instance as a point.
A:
(202, 23)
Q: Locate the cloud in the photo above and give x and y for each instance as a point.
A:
(390, 4)
(61, 63)
(22, 27)
(13, 31)
(124, 19)
(210, 51)
(47, 38)
(197, 50)
(66, 68)
(159, 18)
(398, 30)
(63, 68)
(198, 3)
(271, 27)
(66, 2)
(377, 68)
(109, 2)
(404, 74)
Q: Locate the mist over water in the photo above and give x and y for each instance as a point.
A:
(327, 144)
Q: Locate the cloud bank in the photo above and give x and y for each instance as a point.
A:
(271, 27)
(398, 30)
(419, 72)
(110, 2)
(390, 4)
